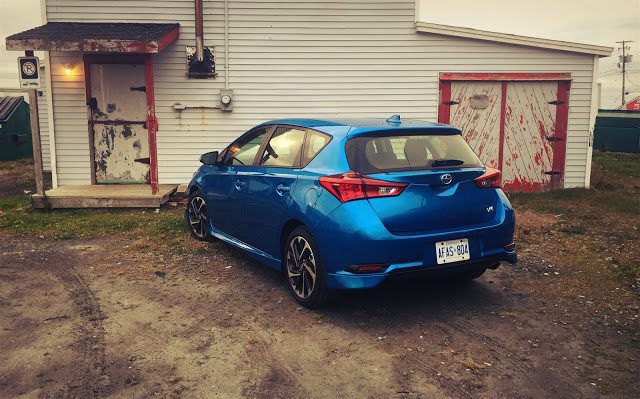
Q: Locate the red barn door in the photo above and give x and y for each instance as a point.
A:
(514, 122)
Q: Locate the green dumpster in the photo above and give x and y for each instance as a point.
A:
(15, 129)
(617, 131)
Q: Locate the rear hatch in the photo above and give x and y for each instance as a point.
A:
(440, 171)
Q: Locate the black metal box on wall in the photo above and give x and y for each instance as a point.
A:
(201, 69)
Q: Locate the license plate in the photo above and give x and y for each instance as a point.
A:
(452, 251)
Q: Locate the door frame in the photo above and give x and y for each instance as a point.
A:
(151, 120)
(562, 107)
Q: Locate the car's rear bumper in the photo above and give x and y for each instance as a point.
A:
(346, 280)
(354, 235)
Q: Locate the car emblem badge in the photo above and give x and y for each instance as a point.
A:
(446, 178)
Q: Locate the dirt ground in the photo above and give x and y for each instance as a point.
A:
(118, 315)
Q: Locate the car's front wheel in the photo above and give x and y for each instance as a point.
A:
(305, 273)
(197, 217)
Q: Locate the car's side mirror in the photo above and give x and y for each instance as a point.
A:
(210, 158)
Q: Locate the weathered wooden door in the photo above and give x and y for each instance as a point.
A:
(529, 131)
(512, 126)
(475, 109)
(118, 113)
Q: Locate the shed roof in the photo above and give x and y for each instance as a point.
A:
(96, 37)
(438, 29)
(7, 106)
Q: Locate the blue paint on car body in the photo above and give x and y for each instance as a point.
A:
(252, 205)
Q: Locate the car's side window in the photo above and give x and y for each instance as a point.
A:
(314, 143)
(244, 150)
(284, 148)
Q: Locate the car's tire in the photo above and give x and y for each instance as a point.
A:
(301, 261)
(197, 217)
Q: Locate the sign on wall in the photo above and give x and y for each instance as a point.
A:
(633, 105)
(29, 72)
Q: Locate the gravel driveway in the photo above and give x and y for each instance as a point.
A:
(93, 318)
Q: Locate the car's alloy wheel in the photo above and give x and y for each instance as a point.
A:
(197, 217)
(304, 270)
(301, 267)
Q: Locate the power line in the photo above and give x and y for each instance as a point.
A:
(632, 82)
(618, 71)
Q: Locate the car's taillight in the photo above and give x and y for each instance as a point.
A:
(491, 178)
(353, 186)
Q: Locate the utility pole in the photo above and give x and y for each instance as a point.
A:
(624, 60)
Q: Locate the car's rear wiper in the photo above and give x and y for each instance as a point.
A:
(446, 162)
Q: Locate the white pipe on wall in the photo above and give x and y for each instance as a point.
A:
(226, 44)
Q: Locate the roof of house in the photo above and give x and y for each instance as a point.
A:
(96, 37)
(355, 126)
(7, 106)
(469, 33)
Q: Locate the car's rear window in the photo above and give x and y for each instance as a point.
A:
(411, 152)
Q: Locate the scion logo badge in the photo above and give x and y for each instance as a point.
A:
(446, 178)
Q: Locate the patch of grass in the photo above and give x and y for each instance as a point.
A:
(166, 226)
(618, 164)
(13, 203)
(16, 164)
(18, 176)
(580, 202)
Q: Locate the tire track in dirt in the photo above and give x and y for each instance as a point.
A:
(447, 384)
(90, 343)
(500, 351)
(86, 374)
(275, 378)
(493, 344)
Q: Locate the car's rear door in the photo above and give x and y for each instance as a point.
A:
(269, 187)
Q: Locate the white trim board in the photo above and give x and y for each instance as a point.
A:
(469, 33)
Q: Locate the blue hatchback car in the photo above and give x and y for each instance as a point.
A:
(346, 204)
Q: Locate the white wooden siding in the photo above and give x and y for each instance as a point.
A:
(296, 58)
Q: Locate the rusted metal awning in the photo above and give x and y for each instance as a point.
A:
(96, 37)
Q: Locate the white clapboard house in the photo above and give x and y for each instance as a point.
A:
(136, 86)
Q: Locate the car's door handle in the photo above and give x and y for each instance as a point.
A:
(240, 185)
(282, 189)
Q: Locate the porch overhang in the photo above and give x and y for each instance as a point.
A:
(147, 38)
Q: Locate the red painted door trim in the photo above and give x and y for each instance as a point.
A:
(87, 92)
(562, 122)
(152, 123)
(444, 108)
(503, 112)
(169, 38)
(114, 58)
(505, 76)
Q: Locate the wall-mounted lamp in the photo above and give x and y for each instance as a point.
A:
(68, 69)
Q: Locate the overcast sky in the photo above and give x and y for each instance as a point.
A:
(587, 21)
